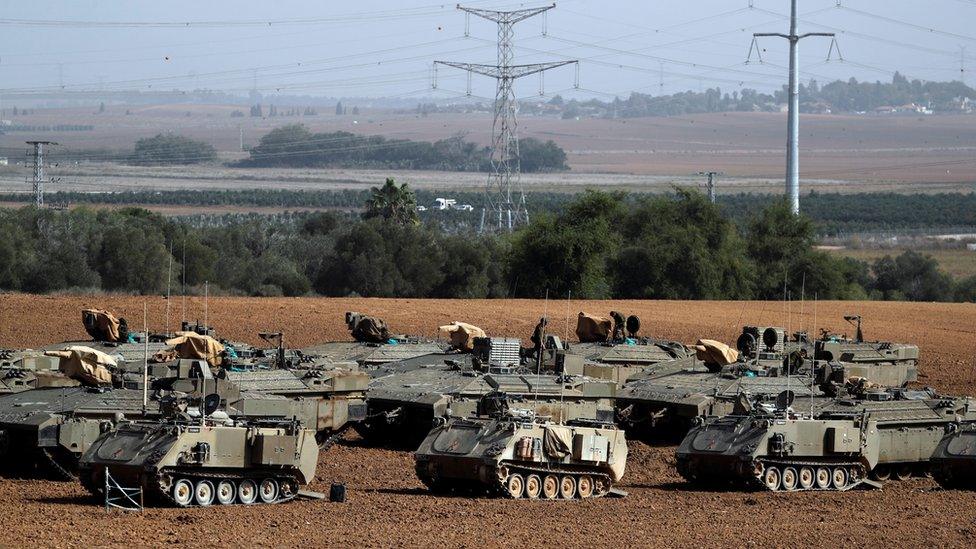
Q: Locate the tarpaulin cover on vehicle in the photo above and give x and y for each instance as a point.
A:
(370, 330)
(101, 325)
(192, 345)
(558, 441)
(85, 364)
(590, 328)
(710, 351)
(462, 335)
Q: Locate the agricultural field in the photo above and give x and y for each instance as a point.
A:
(958, 262)
(388, 505)
(839, 152)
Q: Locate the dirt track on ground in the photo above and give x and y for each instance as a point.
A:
(387, 505)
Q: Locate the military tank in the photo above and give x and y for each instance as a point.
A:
(515, 454)
(202, 463)
(666, 402)
(406, 397)
(954, 460)
(837, 445)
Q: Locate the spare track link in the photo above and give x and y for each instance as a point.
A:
(62, 472)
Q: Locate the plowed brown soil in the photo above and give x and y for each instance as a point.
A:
(388, 506)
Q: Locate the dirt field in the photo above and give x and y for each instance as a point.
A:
(867, 153)
(387, 505)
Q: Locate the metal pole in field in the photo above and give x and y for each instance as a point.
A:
(793, 107)
(37, 177)
(711, 184)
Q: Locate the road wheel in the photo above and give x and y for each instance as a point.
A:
(203, 493)
(881, 472)
(550, 487)
(247, 492)
(515, 485)
(790, 479)
(903, 472)
(183, 492)
(533, 486)
(839, 478)
(823, 478)
(807, 478)
(226, 492)
(567, 487)
(772, 478)
(268, 490)
(585, 486)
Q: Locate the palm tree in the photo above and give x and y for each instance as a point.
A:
(394, 202)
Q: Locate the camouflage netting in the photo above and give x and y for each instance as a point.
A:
(369, 329)
(714, 352)
(85, 364)
(192, 345)
(101, 325)
(590, 328)
(462, 335)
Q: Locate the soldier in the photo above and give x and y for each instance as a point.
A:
(619, 324)
(539, 337)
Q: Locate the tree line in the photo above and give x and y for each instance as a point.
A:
(601, 245)
(837, 96)
(295, 146)
(832, 213)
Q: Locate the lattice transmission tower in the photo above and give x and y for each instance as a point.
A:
(505, 198)
(36, 154)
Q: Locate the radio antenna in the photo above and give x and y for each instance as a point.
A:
(145, 357)
(169, 285)
(183, 277)
(569, 297)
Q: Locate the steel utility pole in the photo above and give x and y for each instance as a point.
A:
(37, 178)
(505, 197)
(793, 124)
(711, 184)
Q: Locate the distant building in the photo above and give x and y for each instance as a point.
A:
(3, 161)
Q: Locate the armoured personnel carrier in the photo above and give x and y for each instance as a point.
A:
(769, 362)
(405, 398)
(50, 428)
(201, 463)
(519, 454)
(836, 446)
(954, 460)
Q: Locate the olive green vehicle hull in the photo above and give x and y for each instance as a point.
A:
(954, 461)
(844, 444)
(200, 465)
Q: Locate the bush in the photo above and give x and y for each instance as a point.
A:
(165, 150)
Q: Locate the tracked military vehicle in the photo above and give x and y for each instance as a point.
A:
(655, 403)
(836, 445)
(201, 463)
(406, 398)
(515, 453)
(954, 460)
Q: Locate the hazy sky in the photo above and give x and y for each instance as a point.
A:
(383, 48)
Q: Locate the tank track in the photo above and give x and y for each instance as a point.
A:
(855, 474)
(602, 483)
(56, 468)
(167, 496)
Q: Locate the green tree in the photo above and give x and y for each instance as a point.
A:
(912, 276)
(392, 202)
(172, 150)
(680, 248)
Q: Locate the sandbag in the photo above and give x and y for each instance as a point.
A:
(714, 352)
(101, 325)
(557, 441)
(87, 365)
(462, 335)
(369, 329)
(194, 346)
(590, 328)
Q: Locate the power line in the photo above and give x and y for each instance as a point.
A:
(504, 179)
